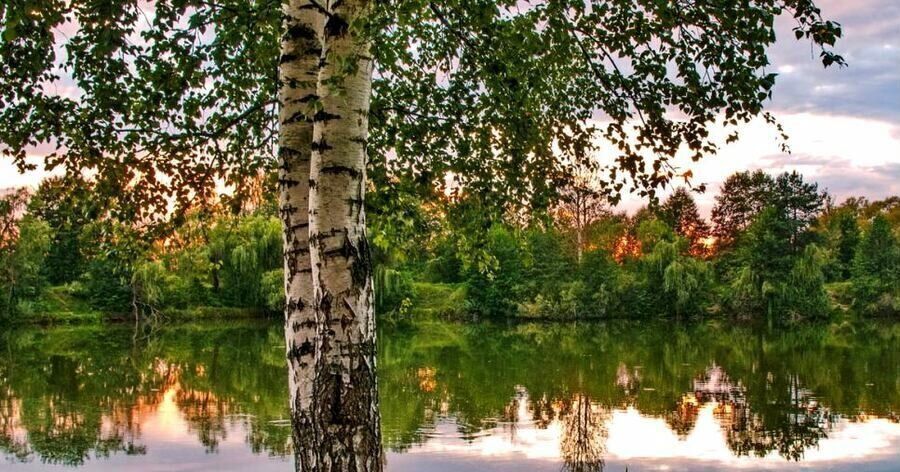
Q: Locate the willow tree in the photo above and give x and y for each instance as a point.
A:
(164, 100)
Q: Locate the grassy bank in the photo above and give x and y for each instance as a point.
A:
(63, 305)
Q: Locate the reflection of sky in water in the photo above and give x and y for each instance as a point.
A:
(643, 442)
(705, 431)
(638, 441)
(459, 398)
(171, 446)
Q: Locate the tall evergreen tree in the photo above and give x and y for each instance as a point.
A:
(800, 202)
(741, 198)
(849, 237)
(876, 269)
(744, 195)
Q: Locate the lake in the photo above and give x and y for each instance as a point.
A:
(456, 397)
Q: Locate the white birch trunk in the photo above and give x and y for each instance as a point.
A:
(347, 430)
(301, 50)
(580, 217)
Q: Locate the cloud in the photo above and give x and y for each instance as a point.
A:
(869, 87)
(875, 183)
(783, 160)
(847, 156)
(890, 171)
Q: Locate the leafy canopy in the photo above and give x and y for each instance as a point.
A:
(164, 98)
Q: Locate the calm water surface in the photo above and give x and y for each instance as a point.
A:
(542, 397)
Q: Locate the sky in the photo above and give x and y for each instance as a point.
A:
(844, 124)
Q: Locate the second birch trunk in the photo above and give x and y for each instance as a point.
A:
(347, 430)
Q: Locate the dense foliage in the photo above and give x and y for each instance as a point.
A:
(499, 95)
(785, 255)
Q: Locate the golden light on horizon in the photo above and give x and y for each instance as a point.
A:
(626, 246)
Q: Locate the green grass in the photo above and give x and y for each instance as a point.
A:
(212, 313)
(439, 300)
(58, 305)
(839, 294)
(64, 305)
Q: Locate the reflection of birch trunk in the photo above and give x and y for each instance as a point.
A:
(584, 436)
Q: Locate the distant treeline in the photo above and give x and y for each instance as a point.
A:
(775, 248)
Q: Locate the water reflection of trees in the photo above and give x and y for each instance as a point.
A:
(584, 434)
(83, 393)
(48, 410)
(789, 423)
(759, 385)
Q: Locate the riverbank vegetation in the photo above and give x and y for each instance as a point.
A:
(776, 248)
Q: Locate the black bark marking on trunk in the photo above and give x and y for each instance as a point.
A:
(287, 183)
(294, 305)
(305, 349)
(325, 304)
(288, 58)
(300, 31)
(297, 249)
(287, 210)
(355, 204)
(305, 324)
(320, 146)
(361, 267)
(307, 98)
(336, 26)
(296, 117)
(347, 320)
(322, 116)
(289, 154)
(335, 406)
(337, 169)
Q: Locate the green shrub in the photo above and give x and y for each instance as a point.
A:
(876, 270)
(392, 288)
(440, 300)
(273, 290)
(22, 258)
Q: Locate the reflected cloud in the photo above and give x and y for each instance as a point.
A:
(536, 397)
(712, 426)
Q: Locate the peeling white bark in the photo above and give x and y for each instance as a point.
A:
(346, 430)
(299, 69)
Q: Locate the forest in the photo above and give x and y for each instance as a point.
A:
(776, 248)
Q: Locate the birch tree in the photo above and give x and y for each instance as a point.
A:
(162, 101)
(301, 50)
